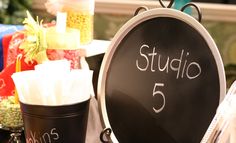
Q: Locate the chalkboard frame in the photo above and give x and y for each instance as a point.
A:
(132, 23)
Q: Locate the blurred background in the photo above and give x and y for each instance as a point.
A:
(219, 18)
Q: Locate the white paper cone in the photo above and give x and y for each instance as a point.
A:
(52, 83)
(26, 85)
(56, 66)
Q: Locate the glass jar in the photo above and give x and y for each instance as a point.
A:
(80, 15)
(64, 46)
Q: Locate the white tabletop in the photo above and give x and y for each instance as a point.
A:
(96, 47)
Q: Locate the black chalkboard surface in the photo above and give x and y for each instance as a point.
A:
(161, 80)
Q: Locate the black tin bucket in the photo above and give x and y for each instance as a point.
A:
(54, 124)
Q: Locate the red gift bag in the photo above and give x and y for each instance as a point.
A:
(11, 45)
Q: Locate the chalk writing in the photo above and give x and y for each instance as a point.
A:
(46, 137)
(157, 92)
(156, 62)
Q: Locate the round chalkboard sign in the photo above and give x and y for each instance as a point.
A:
(161, 79)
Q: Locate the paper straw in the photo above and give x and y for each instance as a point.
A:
(61, 22)
(18, 69)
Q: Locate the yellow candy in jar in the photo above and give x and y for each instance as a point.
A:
(80, 15)
(10, 113)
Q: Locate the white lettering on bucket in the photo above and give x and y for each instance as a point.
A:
(46, 137)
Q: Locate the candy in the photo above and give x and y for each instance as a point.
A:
(82, 21)
(10, 113)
